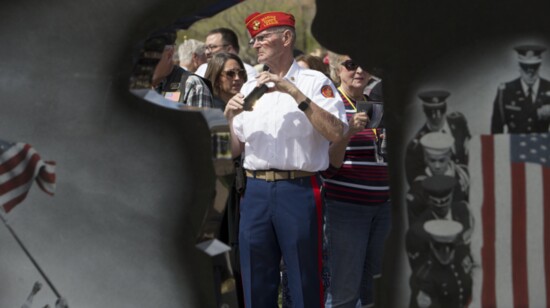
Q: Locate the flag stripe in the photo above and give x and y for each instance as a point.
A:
(488, 295)
(519, 236)
(22, 178)
(20, 164)
(502, 223)
(15, 193)
(535, 236)
(12, 161)
(8, 206)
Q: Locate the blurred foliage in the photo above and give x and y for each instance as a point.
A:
(233, 18)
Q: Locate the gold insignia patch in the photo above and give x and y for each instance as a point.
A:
(256, 25)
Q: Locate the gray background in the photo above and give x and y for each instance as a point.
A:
(133, 179)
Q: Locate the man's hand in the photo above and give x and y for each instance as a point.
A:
(234, 106)
(276, 83)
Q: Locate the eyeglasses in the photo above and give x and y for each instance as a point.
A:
(212, 47)
(261, 38)
(350, 65)
(235, 72)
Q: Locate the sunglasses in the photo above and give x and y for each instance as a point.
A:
(350, 65)
(235, 72)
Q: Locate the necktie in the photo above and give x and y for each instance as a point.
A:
(530, 94)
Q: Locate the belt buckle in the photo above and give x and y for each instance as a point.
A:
(270, 176)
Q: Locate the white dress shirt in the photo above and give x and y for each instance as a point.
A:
(278, 135)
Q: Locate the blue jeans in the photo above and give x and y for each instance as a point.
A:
(356, 235)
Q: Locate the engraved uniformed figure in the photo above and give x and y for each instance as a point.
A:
(444, 279)
(437, 149)
(435, 107)
(439, 205)
(523, 105)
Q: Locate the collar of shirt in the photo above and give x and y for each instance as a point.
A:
(534, 87)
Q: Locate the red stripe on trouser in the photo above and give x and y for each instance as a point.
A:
(319, 207)
(488, 292)
(546, 207)
(519, 236)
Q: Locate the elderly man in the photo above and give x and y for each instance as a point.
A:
(523, 105)
(191, 54)
(437, 148)
(434, 105)
(285, 141)
(223, 40)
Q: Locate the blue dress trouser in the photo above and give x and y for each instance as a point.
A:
(281, 218)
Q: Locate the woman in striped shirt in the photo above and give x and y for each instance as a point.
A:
(356, 191)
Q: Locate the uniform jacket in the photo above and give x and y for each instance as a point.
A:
(414, 155)
(417, 240)
(513, 109)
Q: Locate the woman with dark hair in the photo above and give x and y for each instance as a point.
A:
(227, 74)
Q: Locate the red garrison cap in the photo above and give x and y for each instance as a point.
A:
(258, 22)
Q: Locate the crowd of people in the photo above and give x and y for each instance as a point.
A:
(316, 198)
(314, 211)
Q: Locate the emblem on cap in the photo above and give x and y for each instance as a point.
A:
(270, 20)
(256, 25)
(326, 90)
(530, 54)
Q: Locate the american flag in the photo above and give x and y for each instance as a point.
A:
(20, 164)
(510, 197)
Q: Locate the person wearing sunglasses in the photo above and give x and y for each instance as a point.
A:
(227, 74)
(356, 195)
(284, 138)
(523, 105)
